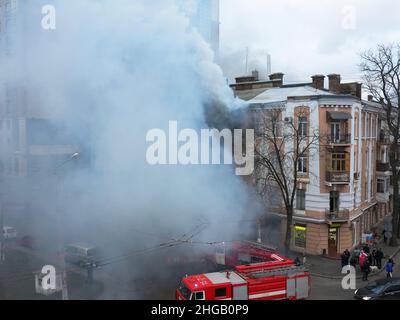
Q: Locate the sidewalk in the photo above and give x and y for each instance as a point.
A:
(326, 267)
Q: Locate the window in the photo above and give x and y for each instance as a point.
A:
(220, 292)
(302, 165)
(303, 128)
(198, 295)
(393, 289)
(300, 232)
(339, 162)
(334, 199)
(380, 186)
(301, 199)
(335, 132)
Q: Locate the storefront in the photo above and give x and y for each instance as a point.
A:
(333, 239)
(300, 236)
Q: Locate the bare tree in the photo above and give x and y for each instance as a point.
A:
(381, 69)
(283, 149)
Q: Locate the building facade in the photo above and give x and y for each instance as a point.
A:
(32, 142)
(344, 185)
(205, 17)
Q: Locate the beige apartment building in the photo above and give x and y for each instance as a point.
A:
(344, 185)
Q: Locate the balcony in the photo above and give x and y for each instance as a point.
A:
(343, 139)
(384, 139)
(382, 167)
(340, 215)
(338, 177)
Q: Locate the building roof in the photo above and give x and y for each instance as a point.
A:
(274, 95)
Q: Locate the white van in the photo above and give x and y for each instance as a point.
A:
(81, 254)
(9, 233)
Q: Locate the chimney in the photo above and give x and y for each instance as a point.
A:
(370, 97)
(255, 75)
(318, 81)
(276, 76)
(334, 83)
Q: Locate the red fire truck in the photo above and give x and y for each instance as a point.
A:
(279, 279)
(226, 254)
(232, 254)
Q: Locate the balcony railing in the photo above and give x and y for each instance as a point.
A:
(340, 215)
(382, 167)
(340, 140)
(338, 176)
(384, 139)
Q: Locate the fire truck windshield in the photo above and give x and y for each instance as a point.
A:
(186, 293)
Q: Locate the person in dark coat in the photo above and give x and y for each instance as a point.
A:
(379, 256)
(366, 269)
(345, 258)
(353, 261)
(384, 236)
(373, 256)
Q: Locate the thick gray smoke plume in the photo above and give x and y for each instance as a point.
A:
(111, 71)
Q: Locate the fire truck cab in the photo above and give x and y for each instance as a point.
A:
(276, 280)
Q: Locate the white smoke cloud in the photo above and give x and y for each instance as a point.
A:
(112, 71)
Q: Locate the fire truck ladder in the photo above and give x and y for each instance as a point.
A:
(283, 271)
(260, 246)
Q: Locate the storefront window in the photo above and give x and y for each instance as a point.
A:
(300, 232)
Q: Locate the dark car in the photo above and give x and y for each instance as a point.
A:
(388, 289)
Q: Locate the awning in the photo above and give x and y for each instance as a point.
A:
(339, 116)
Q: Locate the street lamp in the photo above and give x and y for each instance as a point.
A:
(61, 247)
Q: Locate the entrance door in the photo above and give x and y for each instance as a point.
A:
(333, 242)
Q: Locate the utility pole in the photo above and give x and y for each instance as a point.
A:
(2, 253)
(247, 60)
(259, 230)
(64, 285)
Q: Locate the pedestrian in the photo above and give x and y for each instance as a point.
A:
(373, 256)
(379, 256)
(345, 258)
(389, 268)
(366, 269)
(353, 261)
(362, 258)
(384, 236)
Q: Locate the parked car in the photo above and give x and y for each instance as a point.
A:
(29, 242)
(81, 254)
(387, 289)
(9, 233)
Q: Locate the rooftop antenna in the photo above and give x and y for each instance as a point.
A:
(269, 67)
(247, 60)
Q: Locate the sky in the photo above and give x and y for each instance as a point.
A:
(304, 37)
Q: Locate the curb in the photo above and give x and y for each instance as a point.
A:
(359, 277)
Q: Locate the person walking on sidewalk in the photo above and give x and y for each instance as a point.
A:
(379, 256)
(362, 258)
(345, 258)
(366, 268)
(389, 268)
(373, 255)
